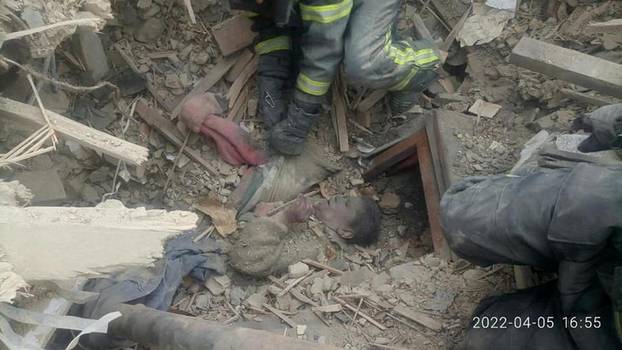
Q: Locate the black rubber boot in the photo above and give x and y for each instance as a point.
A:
(288, 137)
(274, 84)
(403, 100)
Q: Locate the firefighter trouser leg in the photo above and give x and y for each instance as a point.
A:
(274, 70)
(322, 43)
(374, 58)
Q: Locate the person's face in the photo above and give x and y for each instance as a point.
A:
(338, 213)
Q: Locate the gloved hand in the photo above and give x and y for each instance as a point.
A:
(202, 114)
(605, 124)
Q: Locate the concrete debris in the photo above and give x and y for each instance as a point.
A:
(390, 201)
(297, 270)
(484, 109)
(104, 239)
(151, 30)
(45, 185)
(484, 26)
(14, 194)
(90, 50)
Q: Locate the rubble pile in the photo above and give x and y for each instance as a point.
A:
(105, 98)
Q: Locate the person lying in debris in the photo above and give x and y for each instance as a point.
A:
(565, 220)
(269, 244)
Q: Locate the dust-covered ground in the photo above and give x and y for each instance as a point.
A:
(415, 299)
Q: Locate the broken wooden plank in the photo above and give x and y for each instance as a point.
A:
(432, 197)
(418, 317)
(60, 243)
(281, 315)
(570, 65)
(368, 102)
(588, 99)
(322, 266)
(241, 81)
(294, 284)
(332, 308)
(215, 74)
(339, 117)
(364, 118)
(234, 34)
(243, 59)
(239, 108)
(451, 37)
(360, 313)
(393, 156)
(72, 130)
(613, 26)
(169, 130)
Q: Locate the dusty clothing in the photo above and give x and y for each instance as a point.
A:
(264, 247)
(565, 220)
(358, 32)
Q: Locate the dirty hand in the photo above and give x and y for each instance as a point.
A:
(300, 210)
(605, 124)
(197, 109)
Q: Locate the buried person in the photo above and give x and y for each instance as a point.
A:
(269, 244)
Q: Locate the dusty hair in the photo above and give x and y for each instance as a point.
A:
(366, 223)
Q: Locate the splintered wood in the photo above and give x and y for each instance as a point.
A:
(60, 243)
(88, 137)
(339, 114)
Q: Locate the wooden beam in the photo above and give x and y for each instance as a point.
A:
(215, 74)
(339, 115)
(72, 130)
(60, 243)
(418, 144)
(234, 34)
(368, 102)
(451, 37)
(613, 26)
(432, 197)
(241, 81)
(244, 58)
(170, 132)
(570, 65)
(588, 99)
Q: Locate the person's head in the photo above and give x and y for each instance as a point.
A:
(355, 219)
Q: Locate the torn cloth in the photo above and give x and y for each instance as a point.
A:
(154, 287)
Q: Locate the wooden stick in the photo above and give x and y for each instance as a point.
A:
(357, 310)
(294, 284)
(93, 21)
(43, 112)
(286, 204)
(296, 294)
(322, 266)
(172, 170)
(281, 315)
(363, 315)
(207, 231)
(86, 136)
(193, 18)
